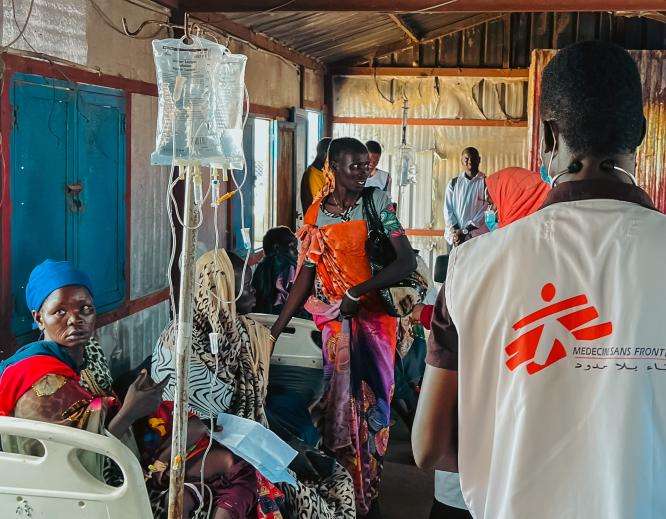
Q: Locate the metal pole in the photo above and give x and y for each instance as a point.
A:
(183, 347)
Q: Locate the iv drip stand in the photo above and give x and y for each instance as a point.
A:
(403, 142)
(183, 348)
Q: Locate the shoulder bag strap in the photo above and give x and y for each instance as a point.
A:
(370, 211)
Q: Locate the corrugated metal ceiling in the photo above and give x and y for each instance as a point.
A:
(333, 36)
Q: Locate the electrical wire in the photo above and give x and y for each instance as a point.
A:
(374, 75)
(426, 9)
(25, 25)
(107, 20)
(145, 5)
(285, 4)
(215, 30)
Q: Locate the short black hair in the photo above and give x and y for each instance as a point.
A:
(345, 145)
(374, 147)
(236, 262)
(322, 147)
(592, 91)
(280, 235)
(471, 150)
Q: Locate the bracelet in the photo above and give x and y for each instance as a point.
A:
(272, 339)
(348, 295)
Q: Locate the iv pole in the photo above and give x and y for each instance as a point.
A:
(183, 348)
(405, 113)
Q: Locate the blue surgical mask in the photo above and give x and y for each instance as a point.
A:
(544, 174)
(490, 219)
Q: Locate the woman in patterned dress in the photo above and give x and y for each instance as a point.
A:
(236, 381)
(64, 379)
(359, 337)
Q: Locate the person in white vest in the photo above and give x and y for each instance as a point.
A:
(546, 378)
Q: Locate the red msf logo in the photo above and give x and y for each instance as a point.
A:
(525, 348)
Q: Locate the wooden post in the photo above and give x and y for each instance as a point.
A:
(183, 347)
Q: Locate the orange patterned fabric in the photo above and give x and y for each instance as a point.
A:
(337, 251)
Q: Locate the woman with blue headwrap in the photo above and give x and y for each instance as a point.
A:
(55, 380)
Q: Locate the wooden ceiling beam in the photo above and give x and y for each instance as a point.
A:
(439, 121)
(402, 25)
(522, 73)
(415, 6)
(227, 26)
(652, 15)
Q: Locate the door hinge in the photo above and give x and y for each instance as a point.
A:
(123, 123)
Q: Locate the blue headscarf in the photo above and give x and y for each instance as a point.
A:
(48, 277)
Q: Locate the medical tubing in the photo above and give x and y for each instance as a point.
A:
(172, 256)
(210, 436)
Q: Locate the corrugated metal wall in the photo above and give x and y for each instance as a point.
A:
(151, 235)
(129, 341)
(508, 41)
(56, 28)
(431, 97)
(438, 150)
(651, 157)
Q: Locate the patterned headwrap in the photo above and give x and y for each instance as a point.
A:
(329, 184)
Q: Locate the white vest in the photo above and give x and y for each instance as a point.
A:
(585, 436)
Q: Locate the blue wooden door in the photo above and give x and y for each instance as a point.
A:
(99, 248)
(67, 185)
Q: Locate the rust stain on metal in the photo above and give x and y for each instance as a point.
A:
(651, 155)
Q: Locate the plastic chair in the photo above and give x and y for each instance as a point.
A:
(57, 486)
(295, 346)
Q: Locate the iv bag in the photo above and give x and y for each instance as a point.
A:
(407, 166)
(229, 93)
(200, 105)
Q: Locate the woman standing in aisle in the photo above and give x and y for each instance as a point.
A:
(359, 337)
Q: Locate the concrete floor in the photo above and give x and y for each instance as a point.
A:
(407, 492)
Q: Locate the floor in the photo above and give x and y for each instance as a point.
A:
(407, 491)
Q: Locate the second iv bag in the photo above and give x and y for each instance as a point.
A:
(200, 106)
(407, 166)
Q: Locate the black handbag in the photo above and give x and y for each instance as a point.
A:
(399, 299)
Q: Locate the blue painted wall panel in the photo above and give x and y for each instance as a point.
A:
(67, 134)
(39, 155)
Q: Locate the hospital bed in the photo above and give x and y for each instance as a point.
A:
(57, 486)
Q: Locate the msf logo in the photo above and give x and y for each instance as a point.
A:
(527, 348)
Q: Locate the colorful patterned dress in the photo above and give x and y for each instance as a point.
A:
(359, 352)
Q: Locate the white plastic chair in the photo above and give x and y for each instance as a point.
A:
(295, 346)
(57, 486)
